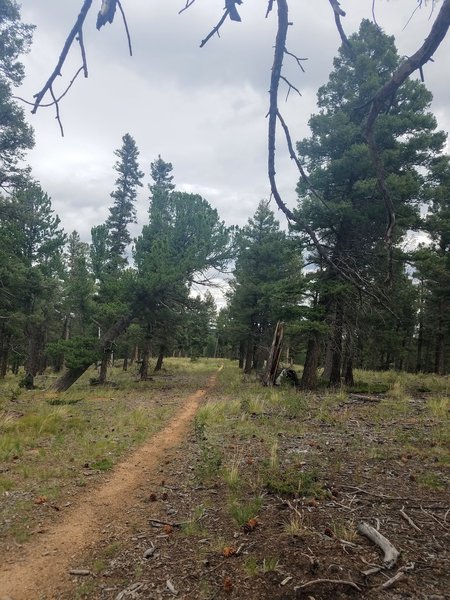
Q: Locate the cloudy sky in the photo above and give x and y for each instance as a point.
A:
(201, 109)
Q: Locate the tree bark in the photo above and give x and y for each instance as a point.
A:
(145, 356)
(309, 376)
(160, 359)
(273, 360)
(103, 368)
(64, 382)
(248, 355)
(241, 354)
(439, 358)
(336, 364)
(105, 343)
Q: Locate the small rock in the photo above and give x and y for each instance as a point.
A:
(171, 587)
(149, 552)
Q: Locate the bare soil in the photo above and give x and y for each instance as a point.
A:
(43, 569)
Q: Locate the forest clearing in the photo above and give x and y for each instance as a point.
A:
(199, 399)
(151, 490)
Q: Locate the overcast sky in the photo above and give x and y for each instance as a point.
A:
(201, 109)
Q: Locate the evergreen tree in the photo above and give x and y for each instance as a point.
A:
(350, 218)
(433, 271)
(123, 211)
(267, 284)
(35, 242)
(15, 135)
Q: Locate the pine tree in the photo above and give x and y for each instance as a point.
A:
(267, 284)
(350, 216)
(123, 211)
(35, 243)
(16, 137)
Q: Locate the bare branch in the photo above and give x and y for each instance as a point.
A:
(290, 86)
(297, 59)
(69, 41)
(338, 13)
(373, 13)
(214, 30)
(186, 6)
(293, 156)
(80, 40)
(58, 116)
(269, 8)
(72, 81)
(130, 49)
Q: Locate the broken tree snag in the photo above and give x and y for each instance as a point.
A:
(391, 553)
(273, 361)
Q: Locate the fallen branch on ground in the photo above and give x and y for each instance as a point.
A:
(409, 520)
(391, 553)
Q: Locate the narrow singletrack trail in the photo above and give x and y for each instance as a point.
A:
(43, 568)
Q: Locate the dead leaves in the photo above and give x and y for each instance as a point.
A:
(229, 551)
(228, 585)
(40, 500)
(250, 525)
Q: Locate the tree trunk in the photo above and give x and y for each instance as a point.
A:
(348, 375)
(160, 359)
(248, 356)
(5, 343)
(273, 360)
(145, 355)
(32, 362)
(241, 354)
(64, 382)
(309, 376)
(439, 357)
(103, 368)
(125, 360)
(105, 342)
(336, 364)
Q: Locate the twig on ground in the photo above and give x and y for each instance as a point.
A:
(363, 491)
(409, 520)
(399, 575)
(425, 512)
(159, 523)
(391, 553)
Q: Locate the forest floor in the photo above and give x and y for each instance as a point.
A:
(202, 485)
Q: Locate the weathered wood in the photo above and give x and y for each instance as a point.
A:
(391, 553)
(273, 361)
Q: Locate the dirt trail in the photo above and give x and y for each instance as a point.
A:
(44, 566)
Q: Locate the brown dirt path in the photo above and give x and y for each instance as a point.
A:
(44, 566)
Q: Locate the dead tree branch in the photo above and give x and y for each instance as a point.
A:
(297, 59)
(186, 6)
(127, 31)
(338, 13)
(75, 32)
(391, 553)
